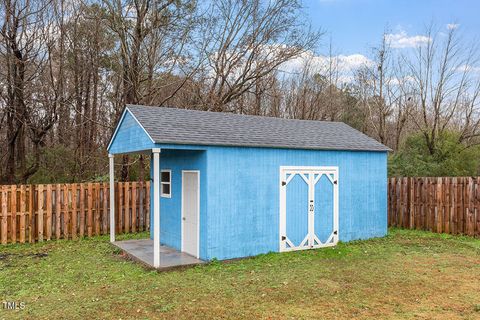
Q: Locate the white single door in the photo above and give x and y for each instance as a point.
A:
(308, 207)
(190, 212)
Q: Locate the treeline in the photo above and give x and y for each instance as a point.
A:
(69, 67)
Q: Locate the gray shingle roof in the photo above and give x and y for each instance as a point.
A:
(182, 126)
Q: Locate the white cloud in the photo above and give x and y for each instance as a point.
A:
(402, 80)
(468, 68)
(352, 62)
(402, 40)
(451, 26)
(345, 65)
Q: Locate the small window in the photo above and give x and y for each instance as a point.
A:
(166, 183)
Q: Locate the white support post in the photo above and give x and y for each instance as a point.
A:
(156, 207)
(112, 198)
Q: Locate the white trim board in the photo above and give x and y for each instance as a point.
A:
(118, 126)
(311, 240)
(198, 216)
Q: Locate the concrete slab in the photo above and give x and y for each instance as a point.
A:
(142, 250)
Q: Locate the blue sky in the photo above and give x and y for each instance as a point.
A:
(357, 25)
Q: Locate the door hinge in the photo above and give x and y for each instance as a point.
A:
(284, 183)
(284, 238)
(335, 182)
(335, 232)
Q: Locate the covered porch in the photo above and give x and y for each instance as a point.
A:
(150, 252)
(175, 190)
(155, 244)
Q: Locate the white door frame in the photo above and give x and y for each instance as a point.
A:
(197, 255)
(301, 171)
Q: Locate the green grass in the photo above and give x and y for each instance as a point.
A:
(408, 274)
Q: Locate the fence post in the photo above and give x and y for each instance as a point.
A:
(13, 213)
(126, 208)
(40, 214)
(4, 215)
(134, 206)
(48, 209)
(89, 210)
(31, 207)
(22, 213)
(73, 220)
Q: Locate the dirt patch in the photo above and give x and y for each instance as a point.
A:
(38, 255)
(4, 256)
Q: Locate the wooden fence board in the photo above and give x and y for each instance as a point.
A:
(105, 213)
(31, 209)
(48, 212)
(4, 228)
(97, 208)
(120, 217)
(23, 206)
(58, 212)
(30, 213)
(126, 208)
(74, 214)
(40, 213)
(66, 212)
(89, 210)
(437, 204)
(82, 210)
(13, 213)
(141, 219)
(134, 206)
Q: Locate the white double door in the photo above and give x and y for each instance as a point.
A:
(308, 207)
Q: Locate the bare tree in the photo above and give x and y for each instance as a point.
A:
(151, 37)
(385, 93)
(375, 81)
(446, 87)
(25, 42)
(247, 40)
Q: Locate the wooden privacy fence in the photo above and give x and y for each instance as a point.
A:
(32, 213)
(438, 204)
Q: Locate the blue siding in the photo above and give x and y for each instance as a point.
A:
(130, 137)
(243, 196)
(170, 208)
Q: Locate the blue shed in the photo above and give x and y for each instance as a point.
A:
(229, 186)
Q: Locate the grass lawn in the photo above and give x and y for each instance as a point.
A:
(408, 274)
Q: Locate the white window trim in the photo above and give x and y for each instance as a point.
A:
(166, 195)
